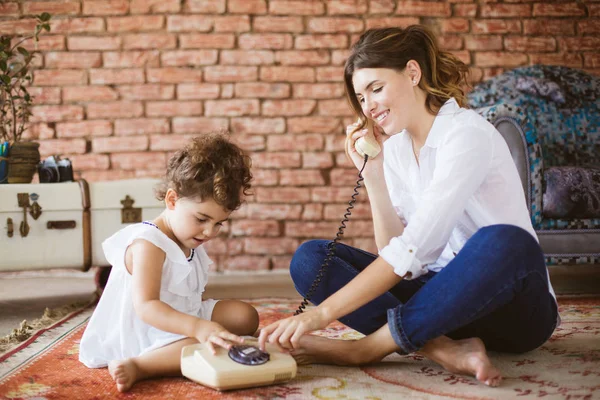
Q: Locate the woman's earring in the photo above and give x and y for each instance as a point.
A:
(414, 82)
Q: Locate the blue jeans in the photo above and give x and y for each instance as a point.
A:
(496, 289)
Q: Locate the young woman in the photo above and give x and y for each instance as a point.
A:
(459, 268)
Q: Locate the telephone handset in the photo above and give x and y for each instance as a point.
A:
(368, 145)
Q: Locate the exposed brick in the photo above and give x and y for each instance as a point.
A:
(249, 227)
(88, 93)
(115, 109)
(205, 6)
(137, 160)
(192, 91)
(303, 57)
(453, 42)
(465, 10)
(129, 59)
(277, 159)
(342, 161)
(74, 60)
(231, 108)
(390, 21)
(335, 25)
(455, 25)
(580, 43)
(258, 125)
(281, 262)
(278, 24)
(530, 43)
(90, 161)
(496, 26)
(44, 95)
(268, 41)
(316, 160)
(498, 58)
(230, 74)
(63, 7)
(189, 23)
(250, 142)
(382, 6)
(282, 195)
(558, 9)
(336, 211)
(301, 177)
(191, 58)
(287, 74)
(545, 26)
(168, 142)
(207, 41)
(296, 7)
(141, 126)
(46, 43)
(247, 6)
(9, 9)
(343, 177)
(62, 146)
(247, 263)
(588, 26)
(264, 177)
(47, 77)
(594, 10)
(262, 90)
(274, 211)
(342, 7)
(337, 108)
(93, 43)
(333, 195)
(39, 131)
(424, 8)
(310, 229)
(270, 246)
(105, 7)
(325, 41)
(485, 43)
(287, 107)
(318, 90)
(591, 60)
(198, 124)
(77, 25)
(83, 128)
(119, 144)
(232, 23)
(135, 23)
(154, 6)
(338, 57)
(146, 92)
(330, 74)
(312, 212)
(173, 75)
(309, 142)
(173, 108)
(101, 175)
(573, 60)
(18, 27)
(116, 76)
(247, 57)
(313, 125)
(505, 10)
(149, 41)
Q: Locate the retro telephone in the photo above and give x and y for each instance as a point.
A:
(246, 365)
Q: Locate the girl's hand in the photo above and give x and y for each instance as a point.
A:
(286, 333)
(353, 134)
(213, 333)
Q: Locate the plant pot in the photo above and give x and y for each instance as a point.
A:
(22, 162)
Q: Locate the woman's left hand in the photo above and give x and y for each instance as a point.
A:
(286, 333)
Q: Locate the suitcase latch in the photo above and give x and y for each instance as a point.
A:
(130, 214)
(61, 224)
(23, 201)
(9, 227)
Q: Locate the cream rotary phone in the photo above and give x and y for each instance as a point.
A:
(246, 365)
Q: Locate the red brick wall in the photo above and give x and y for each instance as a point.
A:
(122, 84)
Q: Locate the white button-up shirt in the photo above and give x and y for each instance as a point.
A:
(465, 180)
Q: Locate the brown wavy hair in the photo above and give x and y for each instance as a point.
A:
(443, 74)
(209, 166)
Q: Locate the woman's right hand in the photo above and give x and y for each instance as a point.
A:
(213, 334)
(353, 133)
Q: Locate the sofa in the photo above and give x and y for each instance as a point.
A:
(550, 119)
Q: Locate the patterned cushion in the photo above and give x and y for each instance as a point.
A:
(571, 192)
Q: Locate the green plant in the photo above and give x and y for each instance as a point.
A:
(15, 75)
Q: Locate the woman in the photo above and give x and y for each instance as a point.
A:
(459, 268)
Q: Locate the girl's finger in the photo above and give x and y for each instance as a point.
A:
(211, 347)
(230, 336)
(220, 342)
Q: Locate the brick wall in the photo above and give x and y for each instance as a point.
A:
(123, 83)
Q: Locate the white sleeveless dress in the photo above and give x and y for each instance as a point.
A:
(114, 331)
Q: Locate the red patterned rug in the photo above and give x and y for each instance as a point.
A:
(567, 367)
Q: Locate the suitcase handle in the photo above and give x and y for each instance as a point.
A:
(61, 224)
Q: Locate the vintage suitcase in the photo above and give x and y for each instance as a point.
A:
(46, 225)
(116, 204)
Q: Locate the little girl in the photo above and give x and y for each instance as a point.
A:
(152, 305)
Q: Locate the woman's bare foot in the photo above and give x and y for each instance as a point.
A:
(467, 356)
(319, 350)
(124, 372)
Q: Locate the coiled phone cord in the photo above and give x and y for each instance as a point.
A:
(331, 245)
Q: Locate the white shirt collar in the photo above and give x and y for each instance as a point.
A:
(440, 123)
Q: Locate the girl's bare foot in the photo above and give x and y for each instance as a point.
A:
(467, 356)
(124, 372)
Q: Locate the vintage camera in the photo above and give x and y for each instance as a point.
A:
(55, 169)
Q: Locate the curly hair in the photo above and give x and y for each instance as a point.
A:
(443, 74)
(209, 166)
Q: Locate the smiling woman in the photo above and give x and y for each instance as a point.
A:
(459, 261)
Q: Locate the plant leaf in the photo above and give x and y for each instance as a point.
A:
(3, 65)
(23, 51)
(45, 17)
(5, 79)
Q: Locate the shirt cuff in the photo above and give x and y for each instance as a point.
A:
(403, 258)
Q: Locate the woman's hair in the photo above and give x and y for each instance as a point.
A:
(443, 74)
(209, 166)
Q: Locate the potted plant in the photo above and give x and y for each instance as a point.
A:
(18, 158)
